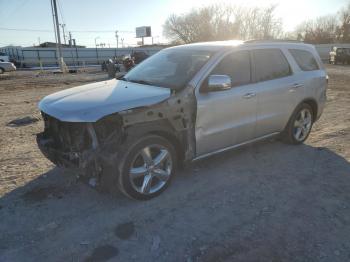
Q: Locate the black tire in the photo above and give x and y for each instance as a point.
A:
(134, 148)
(288, 135)
(1, 70)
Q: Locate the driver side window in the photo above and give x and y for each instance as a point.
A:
(237, 66)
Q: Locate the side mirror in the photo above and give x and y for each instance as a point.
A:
(218, 83)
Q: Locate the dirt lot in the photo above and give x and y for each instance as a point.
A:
(263, 202)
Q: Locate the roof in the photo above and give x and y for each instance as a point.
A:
(219, 45)
(53, 44)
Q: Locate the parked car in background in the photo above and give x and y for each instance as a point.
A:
(339, 55)
(7, 67)
(183, 104)
(4, 57)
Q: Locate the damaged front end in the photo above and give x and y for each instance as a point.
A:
(77, 144)
(93, 147)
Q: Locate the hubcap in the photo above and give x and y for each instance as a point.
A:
(150, 169)
(302, 125)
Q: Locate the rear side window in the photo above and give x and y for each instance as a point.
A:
(237, 66)
(270, 64)
(305, 60)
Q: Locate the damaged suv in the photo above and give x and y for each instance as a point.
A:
(182, 104)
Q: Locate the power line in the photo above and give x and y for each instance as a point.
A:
(101, 31)
(75, 31)
(21, 29)
(10, 12)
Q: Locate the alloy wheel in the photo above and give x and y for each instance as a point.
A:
(302, 124)
(150, 169)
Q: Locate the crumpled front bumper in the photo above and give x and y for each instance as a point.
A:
(56, 156)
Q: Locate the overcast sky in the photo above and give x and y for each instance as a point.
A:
(105, 16)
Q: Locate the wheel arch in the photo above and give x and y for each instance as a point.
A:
(175, 141)
(311, 102)
(161, 128)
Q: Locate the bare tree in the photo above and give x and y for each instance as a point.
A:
(326, 29)
(223, 22)
(321, 30)
(343, 31)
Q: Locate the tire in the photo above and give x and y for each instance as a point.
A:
(299, 127)
(1, 70)
(153, 160)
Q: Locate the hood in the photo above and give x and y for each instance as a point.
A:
(89, 103)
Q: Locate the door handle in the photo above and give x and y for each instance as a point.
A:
(296, 85)
(249, 95)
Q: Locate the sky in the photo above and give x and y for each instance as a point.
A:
(90, 19)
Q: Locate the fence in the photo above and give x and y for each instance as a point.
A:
(37, 57)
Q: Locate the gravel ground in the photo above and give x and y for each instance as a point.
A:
(263, 202)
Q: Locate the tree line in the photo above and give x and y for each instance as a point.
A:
(224, 22)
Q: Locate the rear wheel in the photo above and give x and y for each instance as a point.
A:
(299, 125)
(148, 168)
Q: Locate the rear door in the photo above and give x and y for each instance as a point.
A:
(278, 90)
(311, 73)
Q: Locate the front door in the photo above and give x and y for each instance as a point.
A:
(226, 118)
(279, 90)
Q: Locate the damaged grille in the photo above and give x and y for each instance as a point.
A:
(69, 136)
(66, 136)
(82, 145)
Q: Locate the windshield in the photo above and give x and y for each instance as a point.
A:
(169, 68)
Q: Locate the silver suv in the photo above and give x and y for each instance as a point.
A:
(182, 104)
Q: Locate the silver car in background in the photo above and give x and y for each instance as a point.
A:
(7, 67)
(182, 104)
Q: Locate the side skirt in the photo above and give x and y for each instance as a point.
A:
(234, 146)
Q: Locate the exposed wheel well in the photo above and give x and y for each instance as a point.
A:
(174, 141)
(313, 105)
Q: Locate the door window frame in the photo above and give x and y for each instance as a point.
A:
(254, 70)
(218, 61)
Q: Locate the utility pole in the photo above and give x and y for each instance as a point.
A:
(122, 40)
(117, 36)
(70, 39)
(64, 34)
(96, 49)
(60, 58)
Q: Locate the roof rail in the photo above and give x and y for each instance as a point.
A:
(272, 40)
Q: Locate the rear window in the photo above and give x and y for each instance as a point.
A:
(305, 60)
(270, 64)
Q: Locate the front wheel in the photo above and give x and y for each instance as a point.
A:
(1, 70)
(299, 125)
(148, 168)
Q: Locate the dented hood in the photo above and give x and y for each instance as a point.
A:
(89, 103)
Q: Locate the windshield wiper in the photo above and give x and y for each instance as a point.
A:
(122, 78)
(143, 82)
